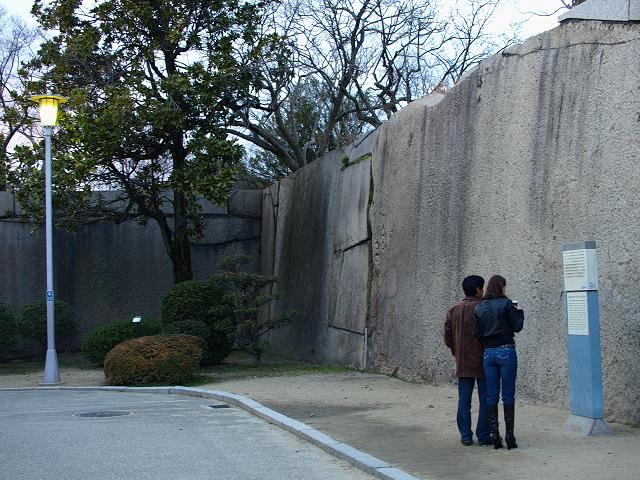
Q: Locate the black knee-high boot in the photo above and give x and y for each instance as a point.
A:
(492, 412)
(509, 419)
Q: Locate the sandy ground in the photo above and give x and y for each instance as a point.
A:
(413, 427)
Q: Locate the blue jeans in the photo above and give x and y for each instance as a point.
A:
(500, 368)
(465, 391)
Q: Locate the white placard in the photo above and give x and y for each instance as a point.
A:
(577, 313)
(580, 270)
(137, 319)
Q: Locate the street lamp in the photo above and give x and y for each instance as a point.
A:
(48, 106)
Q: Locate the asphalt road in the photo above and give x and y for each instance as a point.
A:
(43, 436)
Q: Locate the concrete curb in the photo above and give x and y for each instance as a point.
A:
(363, 461)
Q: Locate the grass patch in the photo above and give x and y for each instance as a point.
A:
(237, 366)
(240, 366)
(26, 366)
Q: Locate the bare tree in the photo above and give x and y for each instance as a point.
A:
(16, 40)
(564, 5)
(341, 67)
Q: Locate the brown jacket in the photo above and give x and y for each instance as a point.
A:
(458, 336)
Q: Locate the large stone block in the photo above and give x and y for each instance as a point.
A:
(268, 231)
(352, 293)
(304, 255)
(229, 229)
(245, 203)
(209, 208)
(345, 348)
(610, 10)
(352, 207)
(634, 11)
(535, 148)
(7, 208)
(269, 218)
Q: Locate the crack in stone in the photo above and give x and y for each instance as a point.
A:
(612, 44)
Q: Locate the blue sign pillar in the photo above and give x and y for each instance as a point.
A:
(583, 326)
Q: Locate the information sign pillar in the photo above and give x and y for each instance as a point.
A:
(583, 327)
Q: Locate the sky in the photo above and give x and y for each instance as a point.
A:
(512, 11)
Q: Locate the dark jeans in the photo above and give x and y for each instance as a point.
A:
(500, 369)
(465, 391)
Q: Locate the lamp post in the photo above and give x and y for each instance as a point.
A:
(48, 106)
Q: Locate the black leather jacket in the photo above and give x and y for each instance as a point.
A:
(496, 321)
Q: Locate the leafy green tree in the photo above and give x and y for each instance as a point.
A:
(146, 82)
(202, 309)
(31, 321)
(246, 291)
(101, 340)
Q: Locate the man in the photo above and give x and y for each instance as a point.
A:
(458, 336)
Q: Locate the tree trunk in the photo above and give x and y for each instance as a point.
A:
(181, 259)
(177, 242)
(181, 247)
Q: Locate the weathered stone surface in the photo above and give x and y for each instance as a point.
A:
(268, 242)
(352, 208)
(611, 10)
(6, 204)
(344, 348)
(634, 11)
(209, 208)
(536, 148)
(109, 272)
(246, 203)
(268, 233)
(352, 293)
(304, 255)
(229, 229)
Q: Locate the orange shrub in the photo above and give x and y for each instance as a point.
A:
(164, 359)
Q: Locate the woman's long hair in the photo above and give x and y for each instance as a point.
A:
(495, 287)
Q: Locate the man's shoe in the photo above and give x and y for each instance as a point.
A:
(485, 443)
(466, 443)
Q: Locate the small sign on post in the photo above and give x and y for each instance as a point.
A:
(137, 319)
(583, 328)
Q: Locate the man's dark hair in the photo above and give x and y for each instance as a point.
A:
(471, 283)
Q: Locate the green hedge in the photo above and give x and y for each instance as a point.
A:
(97, 344)
(7, 329)
(203, 309)
(32, 321)
(160, 359)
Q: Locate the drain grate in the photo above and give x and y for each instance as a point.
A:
(222, 405)
(107, 413)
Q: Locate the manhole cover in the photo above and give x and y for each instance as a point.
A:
(108, 413)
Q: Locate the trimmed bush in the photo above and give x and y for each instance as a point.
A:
(32, 321)
(203, 309)
(7, 329)
(164, 359)
(97, 344)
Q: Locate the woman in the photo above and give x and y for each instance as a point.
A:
(496, 321)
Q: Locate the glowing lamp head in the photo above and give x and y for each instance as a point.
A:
(48, 106)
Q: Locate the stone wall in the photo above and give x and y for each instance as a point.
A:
(537, 147)
(109, 272)
(316, 240)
